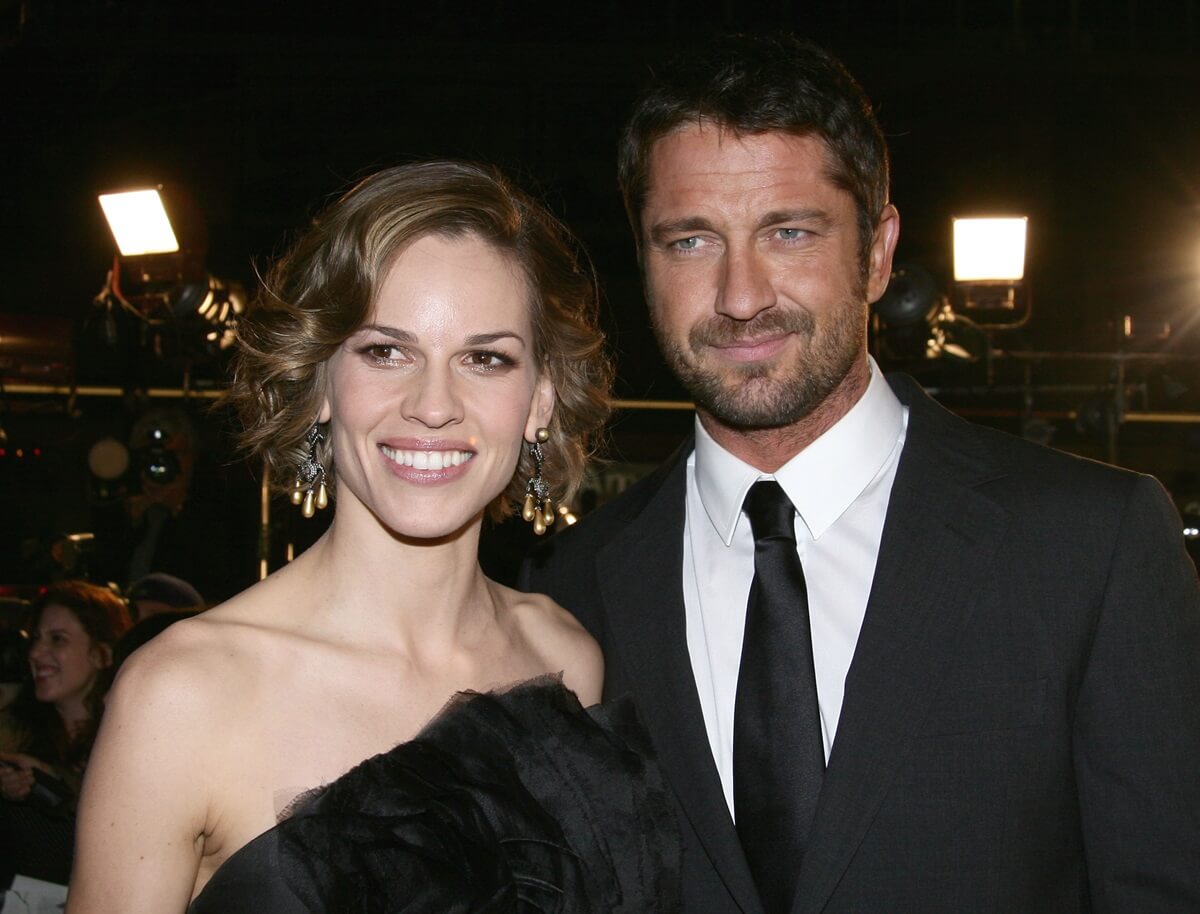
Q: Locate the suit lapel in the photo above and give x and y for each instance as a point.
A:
(641, 579)
(938, 539)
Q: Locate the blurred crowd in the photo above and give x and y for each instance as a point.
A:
(59, 654)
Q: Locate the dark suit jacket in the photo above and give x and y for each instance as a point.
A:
(1021, 726)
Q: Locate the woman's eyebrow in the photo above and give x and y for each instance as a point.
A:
(482, 339)
(395, 333)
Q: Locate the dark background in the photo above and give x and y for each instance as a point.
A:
(1082, 114)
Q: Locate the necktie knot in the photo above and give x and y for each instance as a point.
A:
(771, 513)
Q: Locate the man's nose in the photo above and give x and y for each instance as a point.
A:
(746, 284)
(433, 400)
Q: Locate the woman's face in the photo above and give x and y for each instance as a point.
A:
(433, 397)
(65, 660)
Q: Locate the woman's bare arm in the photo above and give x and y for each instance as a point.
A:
(144, 808)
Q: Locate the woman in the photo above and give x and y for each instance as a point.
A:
(423, 346)
(74, 629)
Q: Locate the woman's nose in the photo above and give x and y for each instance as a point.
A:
(433, 400)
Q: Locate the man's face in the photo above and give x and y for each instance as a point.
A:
(754, 272)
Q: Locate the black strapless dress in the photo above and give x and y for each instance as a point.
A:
(519, 801)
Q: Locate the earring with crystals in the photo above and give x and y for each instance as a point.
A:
(538, 508)
(309, 490)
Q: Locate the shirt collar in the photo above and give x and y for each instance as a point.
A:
(823, 480)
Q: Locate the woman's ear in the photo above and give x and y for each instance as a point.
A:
(102, 656)
(542, 406)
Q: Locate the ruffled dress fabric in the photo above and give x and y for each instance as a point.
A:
(519, 801)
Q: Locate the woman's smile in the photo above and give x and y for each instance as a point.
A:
(427, 462)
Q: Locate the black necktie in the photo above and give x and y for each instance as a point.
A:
(778, 756)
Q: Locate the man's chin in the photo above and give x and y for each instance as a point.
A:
(755, 398)
(749, 404)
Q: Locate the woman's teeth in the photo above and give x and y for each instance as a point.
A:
(426, 460)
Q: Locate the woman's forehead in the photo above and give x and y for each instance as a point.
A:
(57, 616)
(452, 283)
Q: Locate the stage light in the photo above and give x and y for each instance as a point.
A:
(990, 250)
(139, 222)
(159, 298)
(215, 317)
(912, 298)
(915, 321)
(989, 270)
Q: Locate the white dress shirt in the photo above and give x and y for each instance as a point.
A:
(840, 485)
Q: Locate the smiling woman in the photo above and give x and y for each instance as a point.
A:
(73, 630)
(430, 347)
(442, 386)
(322, 292)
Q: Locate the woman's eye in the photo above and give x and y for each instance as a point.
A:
(383, 353)
(489, 359)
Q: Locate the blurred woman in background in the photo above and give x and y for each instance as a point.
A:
(73, 630)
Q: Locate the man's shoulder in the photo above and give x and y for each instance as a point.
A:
(1004, 460)
(1042, 467)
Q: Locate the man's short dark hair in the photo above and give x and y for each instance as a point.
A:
(752, 84)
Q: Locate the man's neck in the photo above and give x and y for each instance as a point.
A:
(768, 449)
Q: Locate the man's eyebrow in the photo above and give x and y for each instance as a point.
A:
(664, 231)
(807, 216)
(661, 231)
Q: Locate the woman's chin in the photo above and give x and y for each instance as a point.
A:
(433, 529)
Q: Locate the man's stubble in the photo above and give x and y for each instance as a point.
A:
(769, 394)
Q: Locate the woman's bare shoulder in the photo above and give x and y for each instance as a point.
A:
(206, 661)
(187, 671)
(559, 639)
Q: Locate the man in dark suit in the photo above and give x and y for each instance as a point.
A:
(962, 673)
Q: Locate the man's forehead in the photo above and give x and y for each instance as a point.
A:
(699, 164)
(713, 140)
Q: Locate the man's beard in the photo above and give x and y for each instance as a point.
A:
(768, 394)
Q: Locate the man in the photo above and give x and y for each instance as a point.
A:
(962, 673)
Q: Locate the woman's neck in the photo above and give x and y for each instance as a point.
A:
(398, 590)
(74, 714)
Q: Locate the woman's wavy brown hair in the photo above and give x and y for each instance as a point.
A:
(323, 289)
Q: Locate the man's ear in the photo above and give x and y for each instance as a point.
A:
(542, 406)
(883, 247)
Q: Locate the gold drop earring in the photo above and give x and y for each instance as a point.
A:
(309, 490)
(538, 509)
